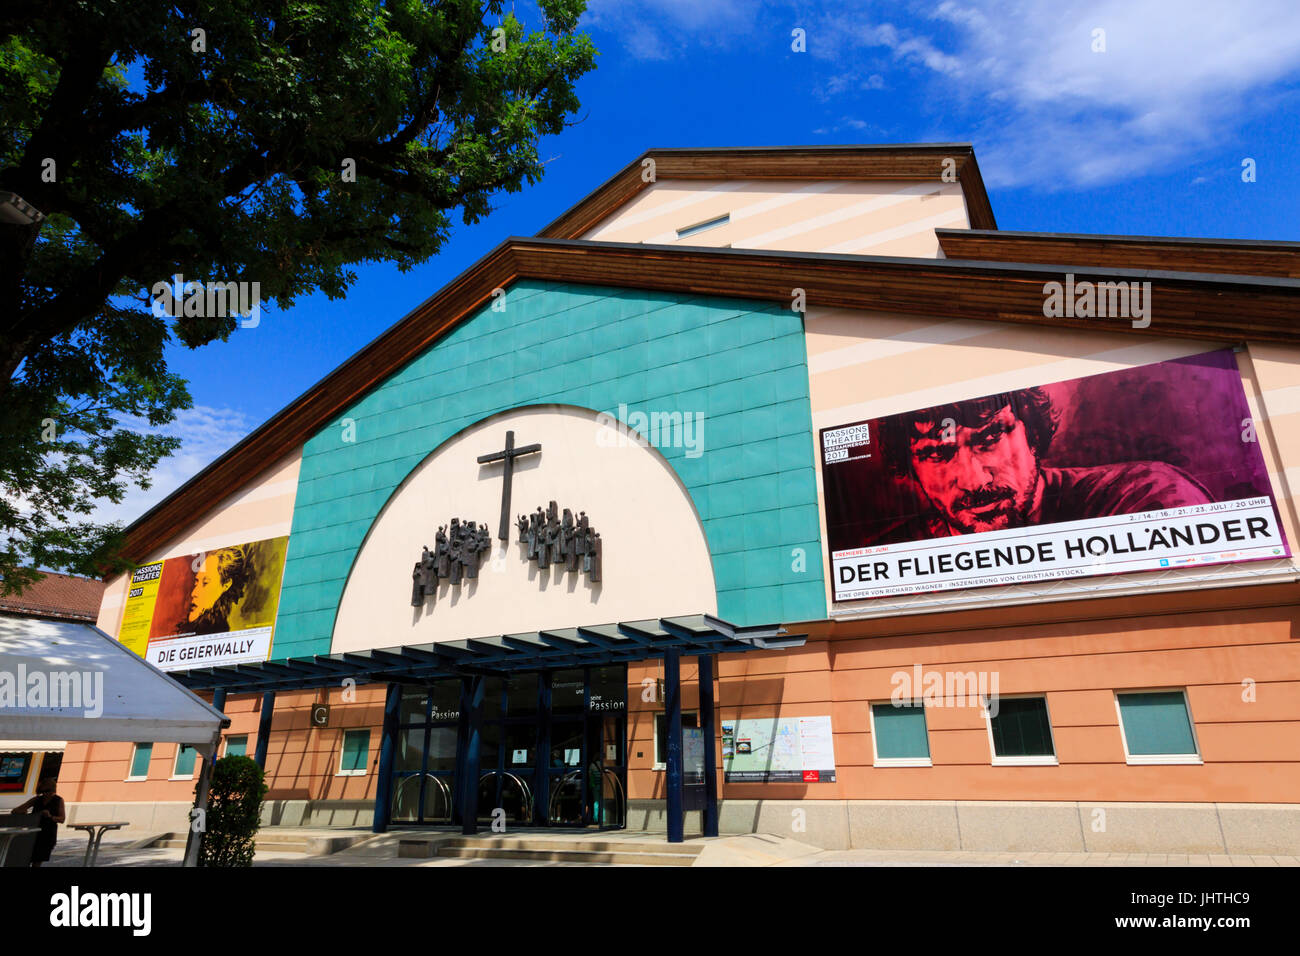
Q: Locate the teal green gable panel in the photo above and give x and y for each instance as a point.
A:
(742, 363)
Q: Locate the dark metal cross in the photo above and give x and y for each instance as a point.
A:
(508, 455)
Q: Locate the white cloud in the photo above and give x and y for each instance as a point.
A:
(662, 29)
(1019, 78)
(1175, 78)
(205, 433)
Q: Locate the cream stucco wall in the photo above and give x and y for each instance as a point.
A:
(656, 557)
(868, 218)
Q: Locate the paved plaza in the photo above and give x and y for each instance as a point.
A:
(749, 850)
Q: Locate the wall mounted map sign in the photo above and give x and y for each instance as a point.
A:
(778, 750)
(1140, 469)
(208, 609)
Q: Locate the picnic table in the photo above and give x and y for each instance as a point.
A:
(94, 833)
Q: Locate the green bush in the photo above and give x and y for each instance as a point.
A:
(234, 813)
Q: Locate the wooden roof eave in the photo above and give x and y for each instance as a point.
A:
(1218, 308)
(918, 162)
(1169, 253)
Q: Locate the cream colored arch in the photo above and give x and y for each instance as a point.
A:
(655, 555)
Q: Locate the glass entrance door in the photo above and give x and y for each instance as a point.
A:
(611, 811)
(587, 772)
(607, 733)
(567, 802)
(424, 773)
(579, 781)
(508, 757)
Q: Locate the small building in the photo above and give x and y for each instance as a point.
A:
(54, 597)
(777, 488)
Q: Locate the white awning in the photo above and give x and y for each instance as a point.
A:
(23, 746)
(61, 680)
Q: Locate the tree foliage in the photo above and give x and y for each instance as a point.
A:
(215, 140)
(234, 813)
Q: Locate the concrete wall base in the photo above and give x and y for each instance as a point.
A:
(169, 817)
(318, 813)
(1009, 826)
(174, 817)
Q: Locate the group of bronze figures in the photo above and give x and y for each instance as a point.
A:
(553, 539)
(458, 550)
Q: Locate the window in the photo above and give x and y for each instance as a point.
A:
(685, 231)
(140, 762)
(1020, 731)
(689, 719)
(1156, 727)
(237, 746)
(183, 768)
(14, 767)
(898, 734)
(355, 759)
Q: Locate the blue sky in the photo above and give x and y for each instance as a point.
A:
(1147, 137)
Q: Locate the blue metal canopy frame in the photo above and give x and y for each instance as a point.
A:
(696, 635)
(629, 641)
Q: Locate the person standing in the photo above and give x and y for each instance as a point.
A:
(49, 806)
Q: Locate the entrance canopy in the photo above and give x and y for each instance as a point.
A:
(62, 680)
(500, 654)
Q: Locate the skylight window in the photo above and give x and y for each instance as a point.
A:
(701, 226)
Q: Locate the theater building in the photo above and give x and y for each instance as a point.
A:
(765, 490)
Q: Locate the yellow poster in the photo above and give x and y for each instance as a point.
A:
(140, 600)
(206, 609)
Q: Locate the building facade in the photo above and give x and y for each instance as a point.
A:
(955, 537)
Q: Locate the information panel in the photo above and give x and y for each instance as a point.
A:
(778, 750)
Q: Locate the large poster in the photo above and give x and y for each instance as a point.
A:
(206, 609)
(778, 750)
(1140, 469)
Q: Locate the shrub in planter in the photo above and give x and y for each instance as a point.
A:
(234, 813)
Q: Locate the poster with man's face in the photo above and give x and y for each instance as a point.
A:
(1142, 469)
(207, 609)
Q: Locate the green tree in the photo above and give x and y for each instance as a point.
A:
(234, 813)
(271, 141)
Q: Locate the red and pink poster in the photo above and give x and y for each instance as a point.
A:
(1142, 469)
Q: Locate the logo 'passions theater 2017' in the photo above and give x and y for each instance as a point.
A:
(1139, 469)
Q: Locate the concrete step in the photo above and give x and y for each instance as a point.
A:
(264, 846)
(577, 843)
(537, 854)
(273, 842)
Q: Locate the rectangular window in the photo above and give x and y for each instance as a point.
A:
(355, 759)
(685, 231)
(183, 768)
(1156, 727)
(237, 746)
(1021, 732)
(140, 762)
(898, 734)
(689, 719)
